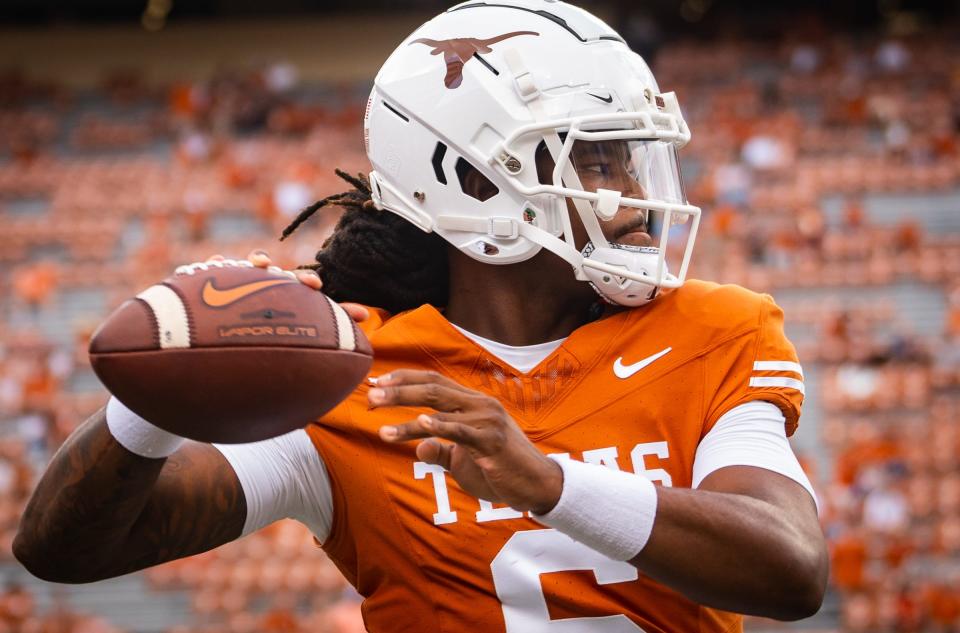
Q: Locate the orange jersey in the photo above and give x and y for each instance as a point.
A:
(636, 391)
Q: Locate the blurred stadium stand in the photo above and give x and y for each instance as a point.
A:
(828, 164)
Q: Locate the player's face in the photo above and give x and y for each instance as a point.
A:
(615, 165)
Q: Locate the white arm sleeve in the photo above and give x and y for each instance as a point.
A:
(752, 434)
(283, 477)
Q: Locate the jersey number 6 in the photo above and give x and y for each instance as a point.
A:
(516, 577)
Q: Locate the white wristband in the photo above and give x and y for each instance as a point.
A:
(607, 510)
(137, 435)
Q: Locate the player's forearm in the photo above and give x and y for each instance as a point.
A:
(101, 511)
(84, 505)
(736, 553)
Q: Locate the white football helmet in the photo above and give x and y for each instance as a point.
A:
(485, 86)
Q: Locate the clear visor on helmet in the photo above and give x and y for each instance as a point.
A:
(647, 170)
(640, 169)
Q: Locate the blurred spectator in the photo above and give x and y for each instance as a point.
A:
(892, 56)
(35, 283)
(766, 152)
(848, 560)
(885, 510)
(805, 58)
(853, 214)
(16, 606)
(953, 311)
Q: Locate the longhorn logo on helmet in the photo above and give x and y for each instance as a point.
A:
(457, 52)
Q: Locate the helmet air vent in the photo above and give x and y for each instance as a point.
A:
(438, 153)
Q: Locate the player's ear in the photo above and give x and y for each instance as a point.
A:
(473, 183)
(545, 164)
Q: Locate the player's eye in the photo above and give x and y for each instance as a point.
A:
(597, 170)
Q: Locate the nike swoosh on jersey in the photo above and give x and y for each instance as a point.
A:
(625, 371)
(217, 298)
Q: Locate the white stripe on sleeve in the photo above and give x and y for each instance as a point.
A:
(283, 477)
(778, 365)
(752, 434)
(776, 381)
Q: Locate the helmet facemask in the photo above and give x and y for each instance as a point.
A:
(601, 175)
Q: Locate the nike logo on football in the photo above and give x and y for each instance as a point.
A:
(625, 371)
(607, 99)
(217, 298)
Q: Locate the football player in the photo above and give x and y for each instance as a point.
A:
(559, 433)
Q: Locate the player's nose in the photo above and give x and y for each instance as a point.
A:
(630, 188)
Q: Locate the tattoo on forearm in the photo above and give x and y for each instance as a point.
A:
(100, 509)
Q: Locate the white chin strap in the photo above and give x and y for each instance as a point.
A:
(599, 266)
(613, 288)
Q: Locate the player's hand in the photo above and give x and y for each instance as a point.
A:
(485, 450)
(261, 259)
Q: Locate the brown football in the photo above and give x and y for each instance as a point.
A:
(225, 352)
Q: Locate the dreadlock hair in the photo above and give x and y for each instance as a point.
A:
(376, 257)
